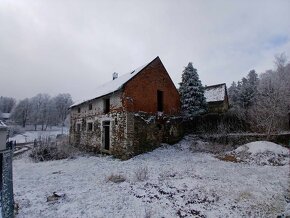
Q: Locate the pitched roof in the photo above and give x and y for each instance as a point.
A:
(215, 92)
(5, 115)
(113, 85)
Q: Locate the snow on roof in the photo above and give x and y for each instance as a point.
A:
(5, 115)
(112, 86)
(215, 92)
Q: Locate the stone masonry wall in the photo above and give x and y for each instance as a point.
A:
(92, 139)
(150, 131)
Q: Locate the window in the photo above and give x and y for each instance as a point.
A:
(90, 126)
(159, 101)
(78, 127)
(106, 105)
(90, 106)
(79, 110)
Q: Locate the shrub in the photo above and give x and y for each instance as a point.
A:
(46, 150)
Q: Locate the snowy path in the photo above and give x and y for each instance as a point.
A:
(180, 184)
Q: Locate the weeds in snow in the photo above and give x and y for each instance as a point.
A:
(116, 178)
(142, 174)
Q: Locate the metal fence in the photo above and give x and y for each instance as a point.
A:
(6, 189)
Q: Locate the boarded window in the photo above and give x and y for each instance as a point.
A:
(106, 105)
(159, 100)
(90, 126)
(90, 106)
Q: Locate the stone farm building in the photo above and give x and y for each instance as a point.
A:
(131, 114)
(217, 98)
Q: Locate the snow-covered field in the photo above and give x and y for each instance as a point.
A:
(177, 183)
(30, 136)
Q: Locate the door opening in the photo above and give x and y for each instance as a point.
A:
(106, 135)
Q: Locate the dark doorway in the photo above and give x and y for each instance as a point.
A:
(159, 101)
(106, 132)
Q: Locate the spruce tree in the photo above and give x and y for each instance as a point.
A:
(191, 93)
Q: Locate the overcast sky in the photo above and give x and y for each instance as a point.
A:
(58, 46)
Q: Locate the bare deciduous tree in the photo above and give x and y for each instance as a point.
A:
(6, 104)
(21, 112)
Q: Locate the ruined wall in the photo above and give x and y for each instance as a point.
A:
(140, 93)
(149, 131)
(218, 106)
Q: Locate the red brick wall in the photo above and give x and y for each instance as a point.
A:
(140, 93)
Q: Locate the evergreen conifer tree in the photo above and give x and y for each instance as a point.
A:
(191, 92)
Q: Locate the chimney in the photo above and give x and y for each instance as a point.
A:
(115, 75)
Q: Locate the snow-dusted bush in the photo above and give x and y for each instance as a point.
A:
(46, 150)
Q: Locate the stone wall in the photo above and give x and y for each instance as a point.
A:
(92, 139)
(130, 133)
(150, 131)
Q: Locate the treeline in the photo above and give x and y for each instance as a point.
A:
(6, 104)
(41, 109)
(263, 101)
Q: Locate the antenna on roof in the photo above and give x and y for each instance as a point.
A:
(115, 75)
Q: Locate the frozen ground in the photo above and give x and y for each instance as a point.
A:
(178, 183)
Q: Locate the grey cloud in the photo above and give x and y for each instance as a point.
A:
(74, 46)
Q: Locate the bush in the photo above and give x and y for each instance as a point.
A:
(46, 150)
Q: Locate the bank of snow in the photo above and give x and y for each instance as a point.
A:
(179, 184)
(262, 153)
(263, 146)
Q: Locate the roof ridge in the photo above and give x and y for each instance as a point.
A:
(114, 85)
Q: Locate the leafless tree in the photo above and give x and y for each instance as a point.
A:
(6, 104)
(269, 113)
(21, 112)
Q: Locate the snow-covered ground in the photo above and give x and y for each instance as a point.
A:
(179, 183)
(30, 136)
